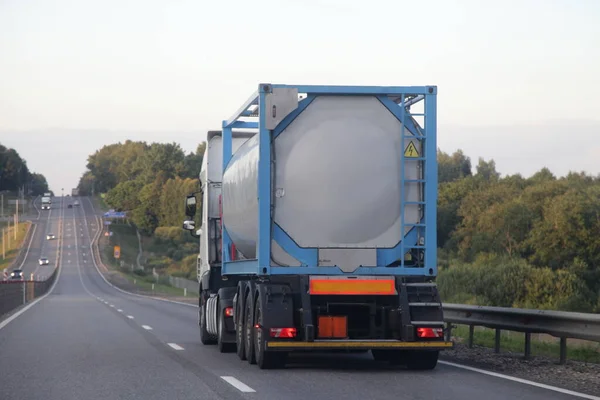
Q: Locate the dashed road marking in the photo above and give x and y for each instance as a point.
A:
(146, 327)
(130, 316)
(241, 386)
(119, 310)
(175, 346)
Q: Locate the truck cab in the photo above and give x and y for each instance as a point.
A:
(46, 202)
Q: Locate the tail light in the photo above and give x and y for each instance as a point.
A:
(430, 332)
(229, 312)
(283, 333)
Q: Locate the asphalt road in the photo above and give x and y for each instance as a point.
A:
(44, 222)
(87, 340)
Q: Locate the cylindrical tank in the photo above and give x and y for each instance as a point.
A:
(337, 179)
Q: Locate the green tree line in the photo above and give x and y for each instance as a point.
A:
(150, 182)
(505, 241)
(16, 176)
(518, 242)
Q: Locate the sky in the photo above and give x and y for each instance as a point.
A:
(518, 81)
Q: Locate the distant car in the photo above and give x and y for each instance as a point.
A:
(44, 261)
(50, 236)
(70, 206)
(76, 203)
(16, 275)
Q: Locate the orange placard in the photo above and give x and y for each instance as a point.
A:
(333, 327)
(352, 286)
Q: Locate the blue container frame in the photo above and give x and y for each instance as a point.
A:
(308, 257)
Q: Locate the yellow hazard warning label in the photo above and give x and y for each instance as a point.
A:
(411, 151)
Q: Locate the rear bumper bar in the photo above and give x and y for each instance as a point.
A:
(320, 345)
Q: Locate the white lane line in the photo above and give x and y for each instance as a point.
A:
(175, 346)
(130, 316)
(241, 386)
(146, 327)
(27, 307)
(525, 381)
(112, 305)
(119, 310)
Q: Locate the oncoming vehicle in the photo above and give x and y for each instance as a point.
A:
(16, 275)
(44, 261)
(70, 206)
(46, 202)
(50, 236)
(76, 203)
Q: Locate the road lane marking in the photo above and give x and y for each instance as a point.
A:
(525, 381)
(27, 307)
(130, 316)
(175, 346)
(146, 327)
(119, 310)
(241, 386)
(112, 305)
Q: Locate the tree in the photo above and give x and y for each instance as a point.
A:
(15, 175)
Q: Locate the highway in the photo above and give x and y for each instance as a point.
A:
(88, 340)
(44, 222)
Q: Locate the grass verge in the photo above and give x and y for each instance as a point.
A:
(11, 246)
(541, 345)
(129, 278)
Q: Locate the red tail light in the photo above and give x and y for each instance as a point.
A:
(283, 333)
(229, 312)
(430, 332)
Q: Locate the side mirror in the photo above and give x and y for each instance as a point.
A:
(190, 206)
(189, 225)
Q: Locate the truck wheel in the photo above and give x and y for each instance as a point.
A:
(422, 360)
(205, 337)
(223, 347)
(239, 331)
(265, 359)
(248, 331)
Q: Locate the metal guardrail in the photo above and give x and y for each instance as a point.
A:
(560, 324)
(14, 294)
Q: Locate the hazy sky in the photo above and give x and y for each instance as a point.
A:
(518, 80)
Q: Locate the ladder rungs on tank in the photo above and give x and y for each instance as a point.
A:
(421, 226)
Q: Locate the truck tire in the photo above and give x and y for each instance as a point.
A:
(265, 359)
(422, 360)
(239, 328)
(223, 347)
(249, 331)
(205, 337)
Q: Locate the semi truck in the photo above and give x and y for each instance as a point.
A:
(46, 202)
(317, 229)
